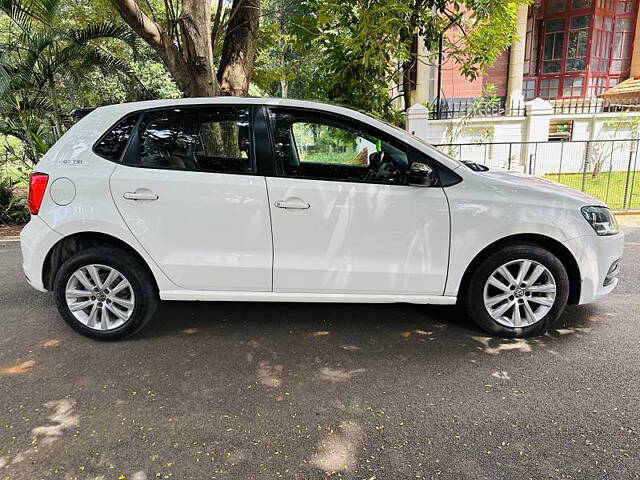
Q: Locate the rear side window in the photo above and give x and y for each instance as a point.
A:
(207, 139)
(112, 145)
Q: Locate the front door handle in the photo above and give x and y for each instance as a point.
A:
(140, 196)
(292, 204)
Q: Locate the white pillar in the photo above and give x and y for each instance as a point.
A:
(539, 113)
(417, 120)
(423, 85)
(516, 58)
(635, 53)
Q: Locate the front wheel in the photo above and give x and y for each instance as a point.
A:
(105, 293)
(518, 291)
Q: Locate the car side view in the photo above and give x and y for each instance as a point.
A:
(252, 199)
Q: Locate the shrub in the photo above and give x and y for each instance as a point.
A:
(13, 203)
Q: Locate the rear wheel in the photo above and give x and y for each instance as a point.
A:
(105, 293)
(518, 291)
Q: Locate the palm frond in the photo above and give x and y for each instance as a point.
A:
(112, 30)
(26, 12)
(18, 11)
(5, 72)
(39, 132)
(45, 10)
(105, 61)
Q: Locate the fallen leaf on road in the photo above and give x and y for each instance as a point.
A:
(417, 331)
(23, 367)
(338, 375)
(54, 342)
(190, 331)
(350, 348)
(503, 375)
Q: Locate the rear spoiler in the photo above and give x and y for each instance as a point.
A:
(79, 113)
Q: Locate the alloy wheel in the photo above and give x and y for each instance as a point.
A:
(100, 297)
(519, 293)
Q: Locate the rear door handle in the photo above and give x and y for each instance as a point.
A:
(140, 196)
(293, 204)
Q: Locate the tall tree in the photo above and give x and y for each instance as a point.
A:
(39, 54)
(185, 37)
(279, 62)
(365, 45)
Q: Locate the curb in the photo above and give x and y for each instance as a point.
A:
(9, 239)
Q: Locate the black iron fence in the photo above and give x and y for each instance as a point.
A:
(473, 107)
(479, 107)
(592, 105)
(606, 169)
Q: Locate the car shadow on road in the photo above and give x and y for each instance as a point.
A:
(175, 317)
(351, 324)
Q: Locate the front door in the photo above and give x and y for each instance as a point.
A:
(344, 219)
(187, 190)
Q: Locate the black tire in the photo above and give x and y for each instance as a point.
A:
(142, 283)
(474, 302)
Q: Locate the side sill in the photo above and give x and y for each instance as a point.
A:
(222, 296)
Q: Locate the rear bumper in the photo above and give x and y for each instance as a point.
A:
(595, 256)
(36, 240)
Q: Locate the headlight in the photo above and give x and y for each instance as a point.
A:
(601, 219)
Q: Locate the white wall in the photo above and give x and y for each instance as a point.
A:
(496, 139)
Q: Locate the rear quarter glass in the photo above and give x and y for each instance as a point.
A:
(113, 143)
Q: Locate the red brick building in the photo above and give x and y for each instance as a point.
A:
(569, 49)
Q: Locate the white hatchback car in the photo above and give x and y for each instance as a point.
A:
(248, 199)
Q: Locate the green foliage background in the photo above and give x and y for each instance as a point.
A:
(60, 55)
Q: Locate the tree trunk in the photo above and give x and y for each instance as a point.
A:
(239, 48)
(191, 62)
(191, 66)
(196, 48)
(406, 82)
(57, 118)
(28, 137)
(407, 37)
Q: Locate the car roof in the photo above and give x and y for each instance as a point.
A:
(102, 117)
(128, 107)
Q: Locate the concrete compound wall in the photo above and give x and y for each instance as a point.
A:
(497, 139)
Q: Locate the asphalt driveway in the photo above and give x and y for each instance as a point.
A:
(262, 391)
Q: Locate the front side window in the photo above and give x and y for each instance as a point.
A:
(309, 146)
(208, 139)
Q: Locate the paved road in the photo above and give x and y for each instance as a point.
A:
(244, 391)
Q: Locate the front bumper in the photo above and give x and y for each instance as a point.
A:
(595, 256)
(36, 241)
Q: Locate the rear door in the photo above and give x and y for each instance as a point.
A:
(188, 190)
(344, 218)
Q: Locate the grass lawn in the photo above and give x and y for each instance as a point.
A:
(608, 187)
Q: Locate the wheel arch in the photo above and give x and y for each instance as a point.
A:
(74, 243)
(552, 245)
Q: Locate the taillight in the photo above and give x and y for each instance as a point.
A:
(37, 185)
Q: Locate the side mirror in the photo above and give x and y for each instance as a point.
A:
(420, 174)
